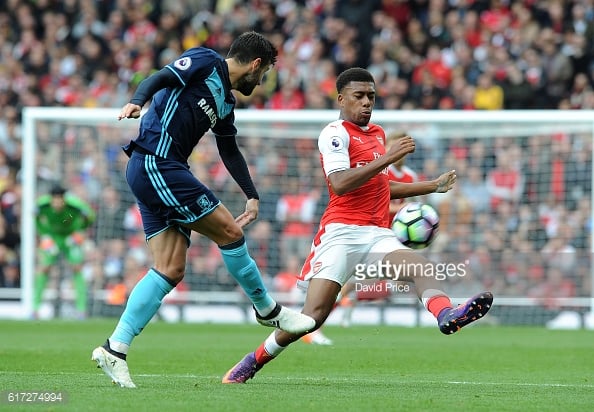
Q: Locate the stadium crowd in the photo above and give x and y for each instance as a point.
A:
(424, 54)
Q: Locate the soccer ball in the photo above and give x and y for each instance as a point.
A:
(416, 225)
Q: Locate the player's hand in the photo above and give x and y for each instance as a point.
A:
(48, 245)
(401, 148)
(446, 181)
(75, 239)
(130, 111)
(250, 214)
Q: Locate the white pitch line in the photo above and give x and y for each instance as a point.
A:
(534, 384)
(346, 380)
(544, 385)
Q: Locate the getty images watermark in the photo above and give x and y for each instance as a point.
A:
(406, 271)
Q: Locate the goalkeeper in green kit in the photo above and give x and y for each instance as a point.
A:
(61, 221)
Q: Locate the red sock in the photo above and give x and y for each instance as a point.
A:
(437, 303)
(263, 357)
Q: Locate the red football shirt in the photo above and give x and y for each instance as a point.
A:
(344, 145)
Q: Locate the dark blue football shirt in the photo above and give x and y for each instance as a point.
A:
(179, 116)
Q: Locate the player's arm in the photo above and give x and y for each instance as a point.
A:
(237, 167)
(41, 227)
(85, 210)
(442, 184)
(349, 179)
(41, 221)
(146, 89)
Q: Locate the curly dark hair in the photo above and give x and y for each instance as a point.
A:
(251, 45)
(354, 74)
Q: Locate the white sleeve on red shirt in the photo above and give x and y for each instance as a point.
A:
(333, 144)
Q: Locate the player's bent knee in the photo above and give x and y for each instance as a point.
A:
(174, 273)
(232, 232)
(177, 277)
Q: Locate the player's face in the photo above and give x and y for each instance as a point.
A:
(356, 102)
(57, 202)
(247, 83)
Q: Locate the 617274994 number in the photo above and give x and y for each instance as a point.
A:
(33, 397)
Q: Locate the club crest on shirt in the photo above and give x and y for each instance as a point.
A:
(317, 266)
(183, 64)
(335, 144)
(204, 203)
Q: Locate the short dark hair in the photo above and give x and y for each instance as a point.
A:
(57, 190)
(355, 74)
(251, 45)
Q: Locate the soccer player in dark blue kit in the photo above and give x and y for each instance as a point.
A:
(190, 96)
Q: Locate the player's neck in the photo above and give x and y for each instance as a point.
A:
(236, 71)
(362, 127)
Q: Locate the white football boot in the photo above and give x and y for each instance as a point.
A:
(287, 320)
(114, 367)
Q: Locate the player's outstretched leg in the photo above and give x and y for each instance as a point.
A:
(244, 270)
(287, 319)
(453, 319)
(113, 364)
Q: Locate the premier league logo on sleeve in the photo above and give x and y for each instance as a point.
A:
(183, 64)
(336, 144)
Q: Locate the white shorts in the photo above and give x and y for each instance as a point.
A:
(344, 250)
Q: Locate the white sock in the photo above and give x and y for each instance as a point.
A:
(268, 310)
(273, 348)
(119, 347)
(347, 314)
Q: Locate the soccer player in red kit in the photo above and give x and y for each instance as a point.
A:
(397, 172)
(354, 231)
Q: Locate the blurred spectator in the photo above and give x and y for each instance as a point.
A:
(456, 214)
(295, 211)
(259, 237)
(531, 64)
(488, 95)
(289, 97)
(286, 279)
(434, 67)
(474, 188)
(358, 14)
(577, 94)
(557, 68)
(9, 267)
(558, 252)
(518, 94)
(504, 182)
(111, 214)
(578, 172)
(381, 66)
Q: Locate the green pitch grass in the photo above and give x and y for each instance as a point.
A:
(178, 367)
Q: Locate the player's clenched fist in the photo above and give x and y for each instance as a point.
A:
(130, 111)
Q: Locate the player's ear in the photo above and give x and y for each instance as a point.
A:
(256, 63)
